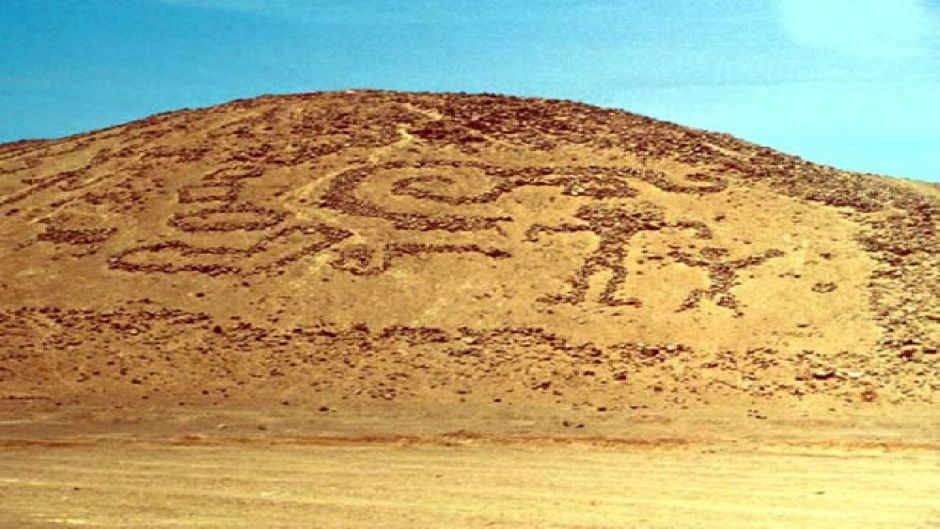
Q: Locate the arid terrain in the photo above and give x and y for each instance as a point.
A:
(379, 309)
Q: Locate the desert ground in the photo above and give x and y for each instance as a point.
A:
(859, 470)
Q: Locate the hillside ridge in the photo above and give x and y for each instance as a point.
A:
(389, 246)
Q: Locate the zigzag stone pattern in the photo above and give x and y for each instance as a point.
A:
(363, 260)
(228, 260)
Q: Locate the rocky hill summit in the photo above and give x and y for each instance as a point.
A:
(376, 247)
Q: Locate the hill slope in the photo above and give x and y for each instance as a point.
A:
(417, 248)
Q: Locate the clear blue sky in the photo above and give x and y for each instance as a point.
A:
(853, 83)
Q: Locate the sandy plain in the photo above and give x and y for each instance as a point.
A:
(859, 468)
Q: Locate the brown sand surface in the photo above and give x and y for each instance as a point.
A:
(851, 468)
(469, 482)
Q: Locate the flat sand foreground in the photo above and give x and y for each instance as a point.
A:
(466, 482)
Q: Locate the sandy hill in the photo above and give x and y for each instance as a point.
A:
(373, 247)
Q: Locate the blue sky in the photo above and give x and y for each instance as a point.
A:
(853, 83)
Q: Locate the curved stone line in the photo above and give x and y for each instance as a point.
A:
(207, 193)
(589, 181)
(37, 185)
(259, 219)
(340, 196)
(715, 184)
(222, 185)
(327, 236)
(592, 182)
(74, 236)
(362, 260)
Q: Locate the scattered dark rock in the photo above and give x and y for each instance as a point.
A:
(824, 287)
